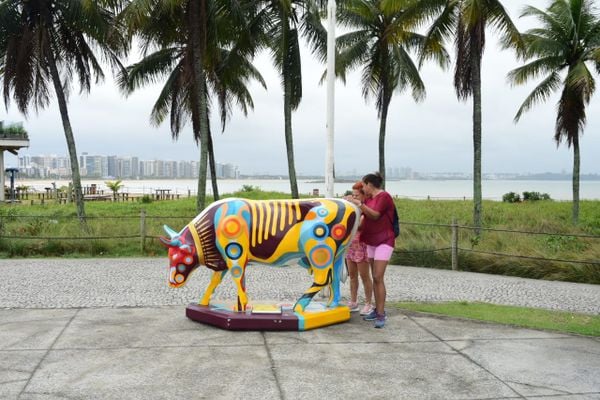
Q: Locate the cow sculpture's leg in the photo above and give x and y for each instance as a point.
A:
(335, 284)
(321, 278)
(238, 272)
(216, 278)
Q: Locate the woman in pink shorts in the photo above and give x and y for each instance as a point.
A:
(358, 263)
(378, 234)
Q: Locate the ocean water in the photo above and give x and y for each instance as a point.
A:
(414, 189)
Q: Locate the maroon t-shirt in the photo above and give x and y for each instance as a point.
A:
(379, 231)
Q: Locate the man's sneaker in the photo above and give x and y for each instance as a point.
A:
(372, 316)
(366, 310)
(380, 321)
(353, 306)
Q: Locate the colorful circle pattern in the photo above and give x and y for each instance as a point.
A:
(338, 232)
(233, 250)
(236, 271)
(232, 226)
(321, 256)
(320, 231)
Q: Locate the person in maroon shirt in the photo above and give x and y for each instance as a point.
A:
(378, 233)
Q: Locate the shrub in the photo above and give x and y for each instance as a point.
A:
(250, 188)
(511, 197)
(146, 199)
(535, 196)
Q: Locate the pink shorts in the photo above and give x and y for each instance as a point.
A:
(383, 252)
(357, 252)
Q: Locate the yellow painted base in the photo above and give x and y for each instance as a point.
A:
(317, 315)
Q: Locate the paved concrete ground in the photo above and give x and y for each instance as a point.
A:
(156, 353)
(104, 329)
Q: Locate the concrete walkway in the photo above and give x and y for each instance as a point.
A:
(69, 330)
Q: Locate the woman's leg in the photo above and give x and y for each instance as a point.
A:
(379, 267)
(365, 277)
(353, 275)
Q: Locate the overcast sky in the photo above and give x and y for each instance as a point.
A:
(432, 136)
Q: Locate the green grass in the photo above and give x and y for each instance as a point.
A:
(559, 321)
(415, 246)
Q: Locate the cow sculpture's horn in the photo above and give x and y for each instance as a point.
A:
(172, 234)
(174, 237)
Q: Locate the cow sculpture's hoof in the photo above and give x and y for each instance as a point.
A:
(222, 315)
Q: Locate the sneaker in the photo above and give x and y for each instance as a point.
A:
(366, 310)
(353, 306)
(372, 316)
(380, 321)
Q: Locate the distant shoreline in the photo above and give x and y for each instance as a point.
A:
(312, 179)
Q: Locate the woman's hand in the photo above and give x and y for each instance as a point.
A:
(353, 200)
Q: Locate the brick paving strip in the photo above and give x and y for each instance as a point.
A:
(140, 282)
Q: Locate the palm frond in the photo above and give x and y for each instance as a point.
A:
(408, 71)
(570, 118)
(442, 28)
(532, 70)
(540, 94)
(581, 81)
(510, 37)
(149, 70)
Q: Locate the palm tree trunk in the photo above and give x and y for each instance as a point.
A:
(212, 165)
(64, 114)
(382, 127)
(197, 21)
(576, 163)
(289, 141)
(477, 200)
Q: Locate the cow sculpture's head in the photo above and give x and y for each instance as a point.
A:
(183, 258)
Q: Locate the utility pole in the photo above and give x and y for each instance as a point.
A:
(329, 164)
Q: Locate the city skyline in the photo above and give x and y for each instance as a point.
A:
(112, 166)
(93, 166)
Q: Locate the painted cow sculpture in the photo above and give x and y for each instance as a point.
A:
(230, 233)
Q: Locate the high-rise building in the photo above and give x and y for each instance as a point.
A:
(111, 166)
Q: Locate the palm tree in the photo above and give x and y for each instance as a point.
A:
(45, 38)
(465, 22)
(562, 50)
(114, 186)
(380, 41)
(285, 21)
(226, 70)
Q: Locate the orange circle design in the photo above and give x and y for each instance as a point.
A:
(232, 227)
(338, 232)
(179, 278)
(320, 257)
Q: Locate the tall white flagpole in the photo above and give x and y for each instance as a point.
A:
(329, 165)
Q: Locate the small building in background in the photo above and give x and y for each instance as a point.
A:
(13, 137)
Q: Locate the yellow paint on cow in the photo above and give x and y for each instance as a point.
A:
(254, 221)
(283, 209)
(267, 206)
(275, 218)
(197, 243)
(261, 223)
